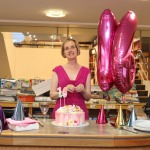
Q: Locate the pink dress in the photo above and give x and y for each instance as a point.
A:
(75, 97)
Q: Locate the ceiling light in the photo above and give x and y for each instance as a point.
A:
(55, 13)
(17, 37)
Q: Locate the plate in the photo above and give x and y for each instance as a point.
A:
(83, 125)
(142, 125)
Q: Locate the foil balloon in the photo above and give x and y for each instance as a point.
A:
(106, 31)
(123, 60)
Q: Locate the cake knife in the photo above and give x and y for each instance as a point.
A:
(30, 116)
(130, 129)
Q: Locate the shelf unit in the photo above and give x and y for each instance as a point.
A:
(93, 65)
(90, 106)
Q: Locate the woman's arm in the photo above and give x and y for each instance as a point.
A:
(87, 92)
(54, 94)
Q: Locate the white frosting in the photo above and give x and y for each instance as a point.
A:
(70, 109)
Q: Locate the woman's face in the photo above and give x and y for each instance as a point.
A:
(70, 50)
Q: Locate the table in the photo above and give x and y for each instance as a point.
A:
(91, 137)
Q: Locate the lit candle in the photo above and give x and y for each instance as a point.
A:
(64, 93)
(59, 94)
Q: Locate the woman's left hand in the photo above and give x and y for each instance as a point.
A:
(80, 88)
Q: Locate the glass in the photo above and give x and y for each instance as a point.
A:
(44, 106)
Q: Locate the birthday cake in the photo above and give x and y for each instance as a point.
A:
(70, 115)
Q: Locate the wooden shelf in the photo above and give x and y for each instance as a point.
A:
(32, 105)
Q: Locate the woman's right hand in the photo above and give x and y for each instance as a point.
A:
(70, 88)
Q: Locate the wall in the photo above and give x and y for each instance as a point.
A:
(32, 63)
(147, 87)
(4, 65)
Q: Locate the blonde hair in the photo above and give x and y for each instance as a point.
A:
(67, 40)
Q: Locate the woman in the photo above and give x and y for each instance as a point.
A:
(72, 77)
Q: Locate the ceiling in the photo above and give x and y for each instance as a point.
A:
(80, 13)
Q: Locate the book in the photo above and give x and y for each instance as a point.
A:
(7, 98)
(22, 125)
(34, 126)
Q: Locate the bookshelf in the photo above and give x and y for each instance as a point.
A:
(93, 65)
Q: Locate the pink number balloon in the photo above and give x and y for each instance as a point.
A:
(106, 32)
(123, 60)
